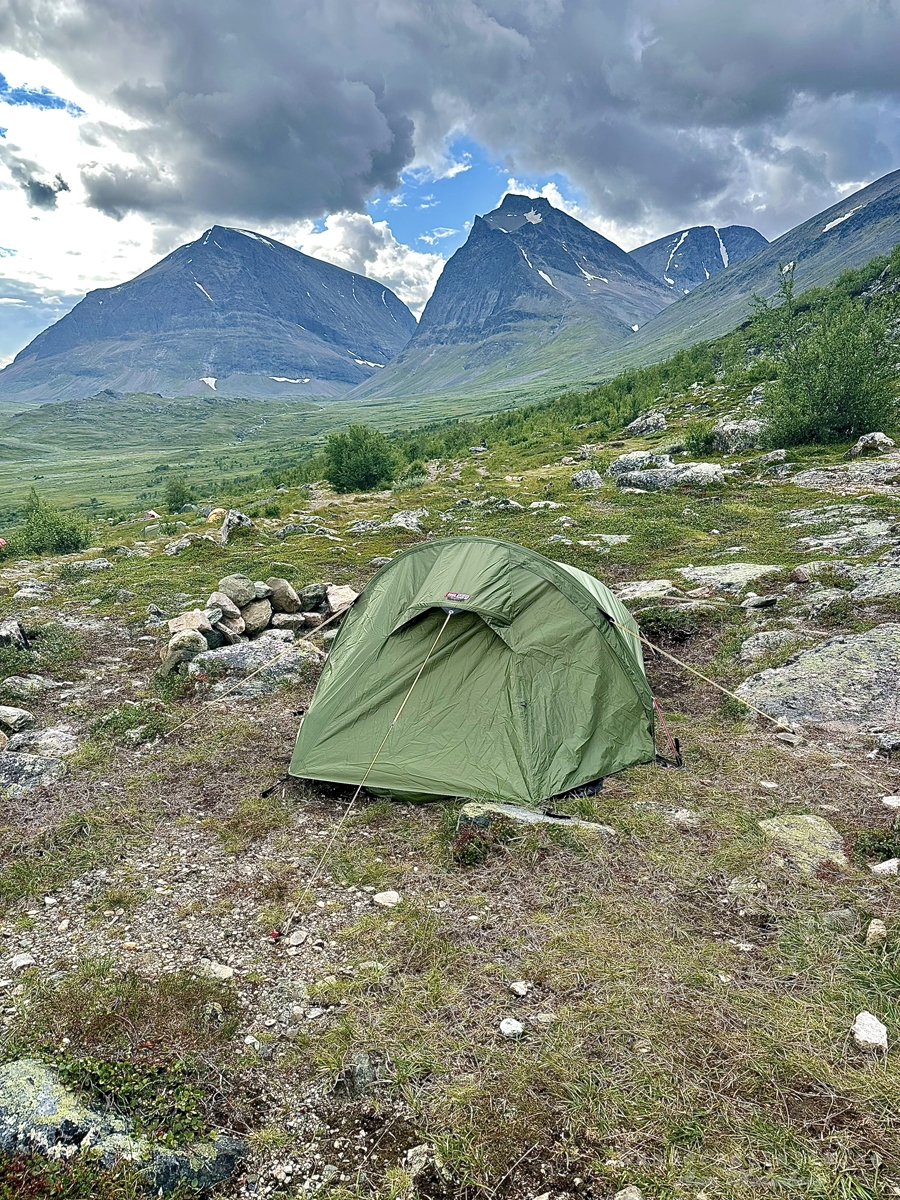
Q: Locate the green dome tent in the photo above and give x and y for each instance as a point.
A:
(530, 692)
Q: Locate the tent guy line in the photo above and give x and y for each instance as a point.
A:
(279, 933)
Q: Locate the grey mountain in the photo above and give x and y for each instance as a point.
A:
(846, 235)
(233, 312)
(532, 294)
(687, 258)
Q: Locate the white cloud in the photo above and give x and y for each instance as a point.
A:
(437, 235)
(357, 243)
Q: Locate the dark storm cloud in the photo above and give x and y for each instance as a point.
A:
(659, 109)
(25, 173)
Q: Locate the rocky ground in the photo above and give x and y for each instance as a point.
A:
(670, 996)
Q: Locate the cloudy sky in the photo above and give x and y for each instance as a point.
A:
(369, 131)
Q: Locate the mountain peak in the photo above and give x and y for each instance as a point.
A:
(532, 286)
(232, 312)
(688, 257)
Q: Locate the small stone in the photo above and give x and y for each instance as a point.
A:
(876, 934)
(16, 718)
(889, 741)
(256, 615)
(629, 1193)
(843, 919)
(21, 962)
(891, 801)
(63, 925)
(511, 1028)
(520, 988)
(238, 588)
(806, 840)
(183, 647)
(314, 598)
(298, 937)
(768, 601)
(869, 1033)
(196, 619)
(888, 867)
(295, 621)
(340, 597)
(225, 604)
(386, 899)
(283, 596)
(768, 785)
(262, 590)
(546, 1018)
(252, 1042)
(217, 970)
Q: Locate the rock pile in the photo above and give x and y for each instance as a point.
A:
(241, 610)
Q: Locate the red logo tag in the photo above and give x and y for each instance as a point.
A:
(458, 596)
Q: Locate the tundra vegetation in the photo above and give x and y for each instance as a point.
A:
(685, 987)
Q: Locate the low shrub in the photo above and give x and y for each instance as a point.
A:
(359, 459)
(699, 438)
(46, 530)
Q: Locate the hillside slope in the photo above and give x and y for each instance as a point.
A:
(846, 235)
(532, 293)
(232, 312)
(685, 259)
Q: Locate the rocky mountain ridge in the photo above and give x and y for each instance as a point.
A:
(689, 257)
(233, 312)
(532, 291)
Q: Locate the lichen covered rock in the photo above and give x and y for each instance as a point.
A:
(38, 1114)
(845, 684)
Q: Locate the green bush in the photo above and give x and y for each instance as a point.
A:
(836, 384)
(359, 459)
(698, 438)
(835, 367)
(46, 530)
(177, 494)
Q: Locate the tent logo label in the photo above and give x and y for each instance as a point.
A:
(458, 596)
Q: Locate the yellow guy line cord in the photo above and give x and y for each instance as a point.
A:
(312, 879)
(732, 695)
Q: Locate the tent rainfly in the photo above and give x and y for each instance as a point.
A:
(531, 691)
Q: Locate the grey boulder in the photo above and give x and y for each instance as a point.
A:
(587, 480)
(22, 773)
(847, 684)
(272, 660)
(733, 437)
(16, 719)
(237, 588)
(638, 460)
(651, 422)
(24, 687)
(657, 479)
(728, 577)
(56, 742)
(12, 634)
(38, 1114)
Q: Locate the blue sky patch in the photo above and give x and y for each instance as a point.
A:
(435, 215)
(36, 98)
